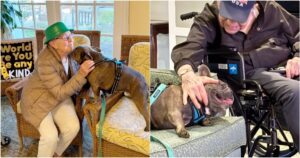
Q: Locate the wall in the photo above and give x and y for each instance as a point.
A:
(139, 18)
(121, 25)
(53, 11)
(178, 29)
(159, 10)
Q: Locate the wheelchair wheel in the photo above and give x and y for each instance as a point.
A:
(265, 136)
(266, 142)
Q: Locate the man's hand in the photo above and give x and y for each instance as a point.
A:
(86, 67)
(193, 86)
(293, 67)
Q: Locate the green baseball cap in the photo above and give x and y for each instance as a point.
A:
(55, 30)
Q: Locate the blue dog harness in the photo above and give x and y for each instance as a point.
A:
(198, 116)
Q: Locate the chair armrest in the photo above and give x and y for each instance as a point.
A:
(112, 100)
(14, 92)
(91, 111)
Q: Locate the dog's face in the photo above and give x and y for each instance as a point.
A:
(82, 53)
(220, 96)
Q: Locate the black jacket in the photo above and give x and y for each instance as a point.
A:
(273, 37)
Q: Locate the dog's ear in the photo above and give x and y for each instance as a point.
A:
(76, 54)
(87, 56)
(96, 53)
(203, 70)
(97, 49)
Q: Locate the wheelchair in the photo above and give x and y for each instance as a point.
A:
(264, 123)
(264, 131)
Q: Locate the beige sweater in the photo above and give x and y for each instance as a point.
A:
(47, 86)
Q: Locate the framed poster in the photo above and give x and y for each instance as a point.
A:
(17, 60)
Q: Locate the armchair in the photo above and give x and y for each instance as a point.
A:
(119, 136)
(14, 94)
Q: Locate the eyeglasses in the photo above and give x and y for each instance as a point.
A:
(66, 38)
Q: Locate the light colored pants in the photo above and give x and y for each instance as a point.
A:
(64, 117)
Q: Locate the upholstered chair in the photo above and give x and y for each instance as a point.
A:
(123, 129)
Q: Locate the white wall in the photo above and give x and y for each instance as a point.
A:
(159, 10)
(121, 25)
(53, 11)
(178, 30)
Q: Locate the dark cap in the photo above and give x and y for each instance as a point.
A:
(236, 10)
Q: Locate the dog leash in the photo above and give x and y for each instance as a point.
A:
(157, 93)
(100, 124)
(167, 146)
(153, 98)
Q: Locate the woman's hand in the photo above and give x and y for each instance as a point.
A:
(86, 67)
(193, 86)
(293, 67)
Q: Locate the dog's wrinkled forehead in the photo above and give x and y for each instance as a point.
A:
(81, 53)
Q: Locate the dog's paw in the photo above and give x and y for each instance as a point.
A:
(183, 133)
(147, 129)
(207, 122)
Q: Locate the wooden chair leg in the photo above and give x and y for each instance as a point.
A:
(21, 142)
(20, 137)
(80, 150)
(95, 149)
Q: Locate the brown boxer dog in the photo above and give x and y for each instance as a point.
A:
(168, 111)
(102, 77)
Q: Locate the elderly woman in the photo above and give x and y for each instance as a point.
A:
(46, 98)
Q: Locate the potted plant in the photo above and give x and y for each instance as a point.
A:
(9, 19)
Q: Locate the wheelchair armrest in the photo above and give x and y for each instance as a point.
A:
(253, 83)
(14, 92)
(91, 111)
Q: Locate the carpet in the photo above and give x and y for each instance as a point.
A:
(9, 128)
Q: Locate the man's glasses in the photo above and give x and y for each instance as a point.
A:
(66, 38)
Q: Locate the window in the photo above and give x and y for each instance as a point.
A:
(91, 15)
(34, 17)
(76, 14)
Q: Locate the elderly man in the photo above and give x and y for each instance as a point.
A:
(264, 32)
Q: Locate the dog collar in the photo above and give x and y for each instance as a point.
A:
(118, 72)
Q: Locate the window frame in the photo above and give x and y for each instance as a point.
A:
(121, 18)
(94, 5)
(32, 4)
